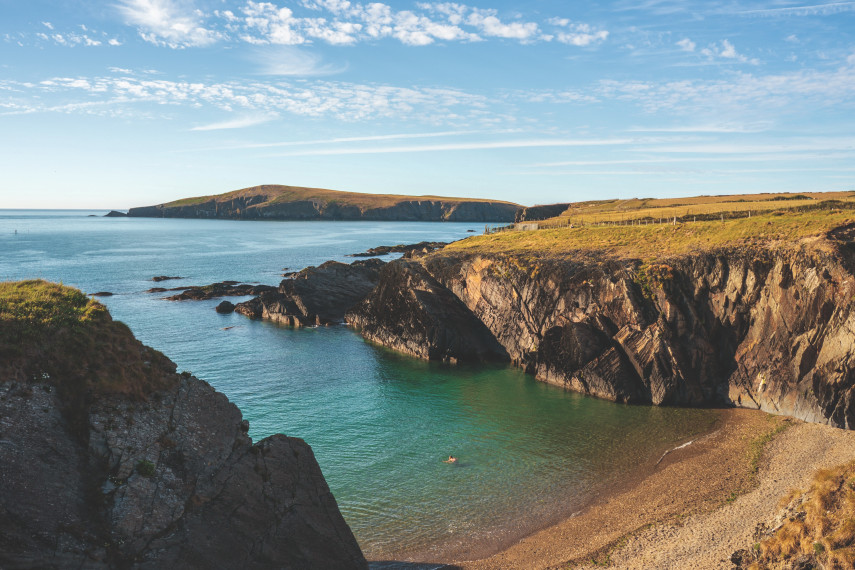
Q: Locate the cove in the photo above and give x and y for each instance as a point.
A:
(380, 423)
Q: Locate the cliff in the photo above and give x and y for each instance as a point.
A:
(758, 321)
(274, 202)
(109, 459)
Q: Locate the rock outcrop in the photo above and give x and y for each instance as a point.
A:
(316, 295)
(274, 202)
(768, 327)
(537, 213)
(410, 311)
(109, 459)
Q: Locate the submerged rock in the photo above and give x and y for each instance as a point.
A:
(214, 290)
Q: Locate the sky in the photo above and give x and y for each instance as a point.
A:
(127, 103)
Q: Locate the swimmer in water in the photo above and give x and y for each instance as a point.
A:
(451, 459)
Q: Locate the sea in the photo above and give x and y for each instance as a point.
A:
(380, 423)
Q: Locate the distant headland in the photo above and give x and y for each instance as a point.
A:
(275, 202)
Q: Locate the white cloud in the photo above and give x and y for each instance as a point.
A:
(168, 23)
(490, 25)
(725, 50)
(577, 34)
(686, 44)
(47, 25)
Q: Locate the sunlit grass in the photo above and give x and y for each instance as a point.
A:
(653, 240)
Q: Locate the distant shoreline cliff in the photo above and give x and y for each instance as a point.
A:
(273, 202)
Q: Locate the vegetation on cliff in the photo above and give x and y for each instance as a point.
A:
(48, 331)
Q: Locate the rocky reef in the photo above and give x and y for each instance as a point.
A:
(768, 326)
(316, 295)
(275, 202)
(110, 459)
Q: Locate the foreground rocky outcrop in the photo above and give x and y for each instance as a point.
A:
(275, 202)
(109, 459)
(768, 327)
(316, 295)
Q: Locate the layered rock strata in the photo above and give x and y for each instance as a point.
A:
(768, 327)
(412, 312)
(316, 295)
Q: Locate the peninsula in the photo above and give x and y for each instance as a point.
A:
(275, 202)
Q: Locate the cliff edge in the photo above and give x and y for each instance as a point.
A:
(110, 459)
(755, 313)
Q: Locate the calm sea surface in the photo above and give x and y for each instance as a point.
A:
(379, 423)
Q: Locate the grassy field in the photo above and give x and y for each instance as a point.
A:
(654, 240)
(274, 194)
(623, 211)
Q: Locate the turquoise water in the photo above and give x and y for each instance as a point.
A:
(379, 423)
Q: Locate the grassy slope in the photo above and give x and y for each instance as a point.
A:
(279, 194)
(641, 208)
(652, 241)
(55, 334)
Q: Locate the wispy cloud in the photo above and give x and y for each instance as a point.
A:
(291, 61)
(339, 100)
(487, 145)
(344, 140)
(808, 10)
(237, 123)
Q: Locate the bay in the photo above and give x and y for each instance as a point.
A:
(380, 423)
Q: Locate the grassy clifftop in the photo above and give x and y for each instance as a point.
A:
(653, 240)
(55, 334)
(276, 194)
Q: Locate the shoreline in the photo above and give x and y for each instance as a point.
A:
(675, 512)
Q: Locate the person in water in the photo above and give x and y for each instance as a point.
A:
(451, 459)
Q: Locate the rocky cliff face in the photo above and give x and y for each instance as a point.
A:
(765, 327)
(412, 312)
(102, 474)
(257, 208)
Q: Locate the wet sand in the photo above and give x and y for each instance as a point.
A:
(693, 509)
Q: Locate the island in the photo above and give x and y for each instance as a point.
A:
(276, 202)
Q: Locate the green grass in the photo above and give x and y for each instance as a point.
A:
(275, 194)
(55, 334)
(31, 307)
(652, 241)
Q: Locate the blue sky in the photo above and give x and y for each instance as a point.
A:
(135, 102)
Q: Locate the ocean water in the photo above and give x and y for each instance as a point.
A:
(380, 423)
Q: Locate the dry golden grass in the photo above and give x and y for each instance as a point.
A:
(274, 194)
(649, 208)
(821, 524)
(651, 241)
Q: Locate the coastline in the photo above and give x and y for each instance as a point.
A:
(697, 506)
